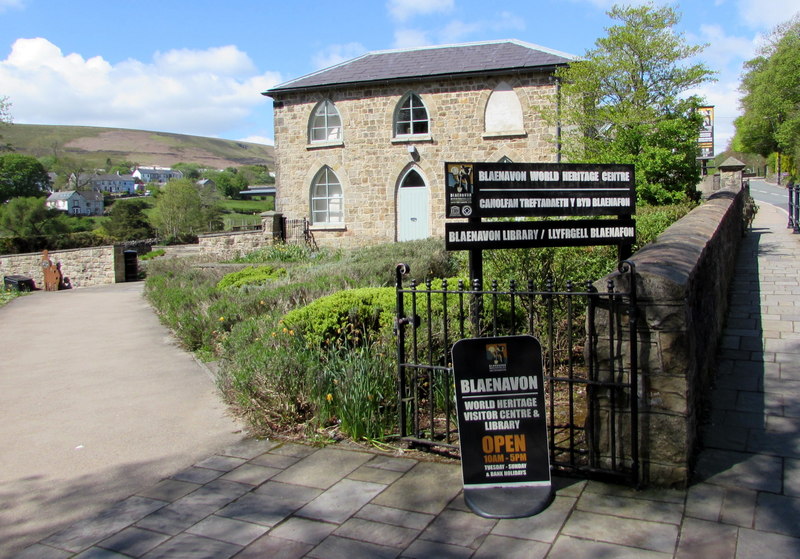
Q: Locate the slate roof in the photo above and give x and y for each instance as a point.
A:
(430, 62)
(61, 195)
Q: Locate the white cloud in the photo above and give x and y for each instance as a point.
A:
(724, 53)
(203, 92)
(7, 4)
(228, 61)
(766, 14)
(403, 10)
(336, 54)
(459, 31)
(258, 140)
(410, 38)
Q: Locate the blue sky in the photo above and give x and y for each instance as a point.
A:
(199, 67)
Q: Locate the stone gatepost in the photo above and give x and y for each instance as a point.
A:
(272, 225)
(731, 173)
(682, 282)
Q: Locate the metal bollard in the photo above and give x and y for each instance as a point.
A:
(790, 189)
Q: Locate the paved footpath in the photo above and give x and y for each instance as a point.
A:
(96, 403)
(284, 500)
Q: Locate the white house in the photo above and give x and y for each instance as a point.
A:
(115, 184)
(74, 202)
(160, 175)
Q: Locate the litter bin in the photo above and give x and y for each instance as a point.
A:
(19, 283)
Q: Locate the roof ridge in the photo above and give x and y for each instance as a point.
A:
(526, 44)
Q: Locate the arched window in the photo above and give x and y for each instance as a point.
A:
(412, 179)
(411, 117)
(503, 112)
(326, 198)
(325, 124)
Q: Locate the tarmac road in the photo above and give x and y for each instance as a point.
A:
(96, 402)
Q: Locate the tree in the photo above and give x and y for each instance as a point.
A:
(73, 174)
(256, 174)
(229, 182)
(5, 120)
(626, 102)
(189, 170)
(770, 88)
(128, 221)
(183, 210)
(22, 175)
(28, 216)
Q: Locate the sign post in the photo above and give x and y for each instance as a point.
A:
(517, 190)
(505, 458)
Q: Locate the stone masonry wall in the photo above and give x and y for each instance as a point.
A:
(227, 246)
(82, 267)
(370, 161)
(682, 283)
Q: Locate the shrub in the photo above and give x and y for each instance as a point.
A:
(153, 254)
(250, 276)
(346, 316)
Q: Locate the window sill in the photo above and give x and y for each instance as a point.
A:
(411, 138)
(504, 134)
(328, 227)
(323, 145)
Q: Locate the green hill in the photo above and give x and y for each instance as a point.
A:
(143, 147)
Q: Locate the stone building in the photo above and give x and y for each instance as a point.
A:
(361, 146)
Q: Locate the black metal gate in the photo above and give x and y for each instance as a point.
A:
(297, 231)
(590, 364)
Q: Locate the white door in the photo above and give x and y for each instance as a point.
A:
(412, 208)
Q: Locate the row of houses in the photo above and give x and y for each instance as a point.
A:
(124, 184)
(88, 190)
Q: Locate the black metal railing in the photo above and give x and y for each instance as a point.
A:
(297, 231)
(794, 207)
(589, 346)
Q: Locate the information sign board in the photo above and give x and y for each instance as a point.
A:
(534, 234)
(502, 427)
(539, 189)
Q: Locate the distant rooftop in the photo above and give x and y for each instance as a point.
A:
(430, 62)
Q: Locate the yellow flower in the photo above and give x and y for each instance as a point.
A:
(285, 329)
(291, 332)
(274, 334)
(222, 319)
(329, 397)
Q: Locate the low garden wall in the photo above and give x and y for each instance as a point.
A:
(227, 246)
(80, 267)
(682, 283)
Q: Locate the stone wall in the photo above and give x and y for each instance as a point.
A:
(370, 162)
(227, 246)
(83, 267)
(682, 283)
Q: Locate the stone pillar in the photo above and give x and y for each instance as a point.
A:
(272, 225)
(731, 172)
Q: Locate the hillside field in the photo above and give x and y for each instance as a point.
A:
(143, 147)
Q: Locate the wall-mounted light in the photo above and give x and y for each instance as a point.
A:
(412, 151)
